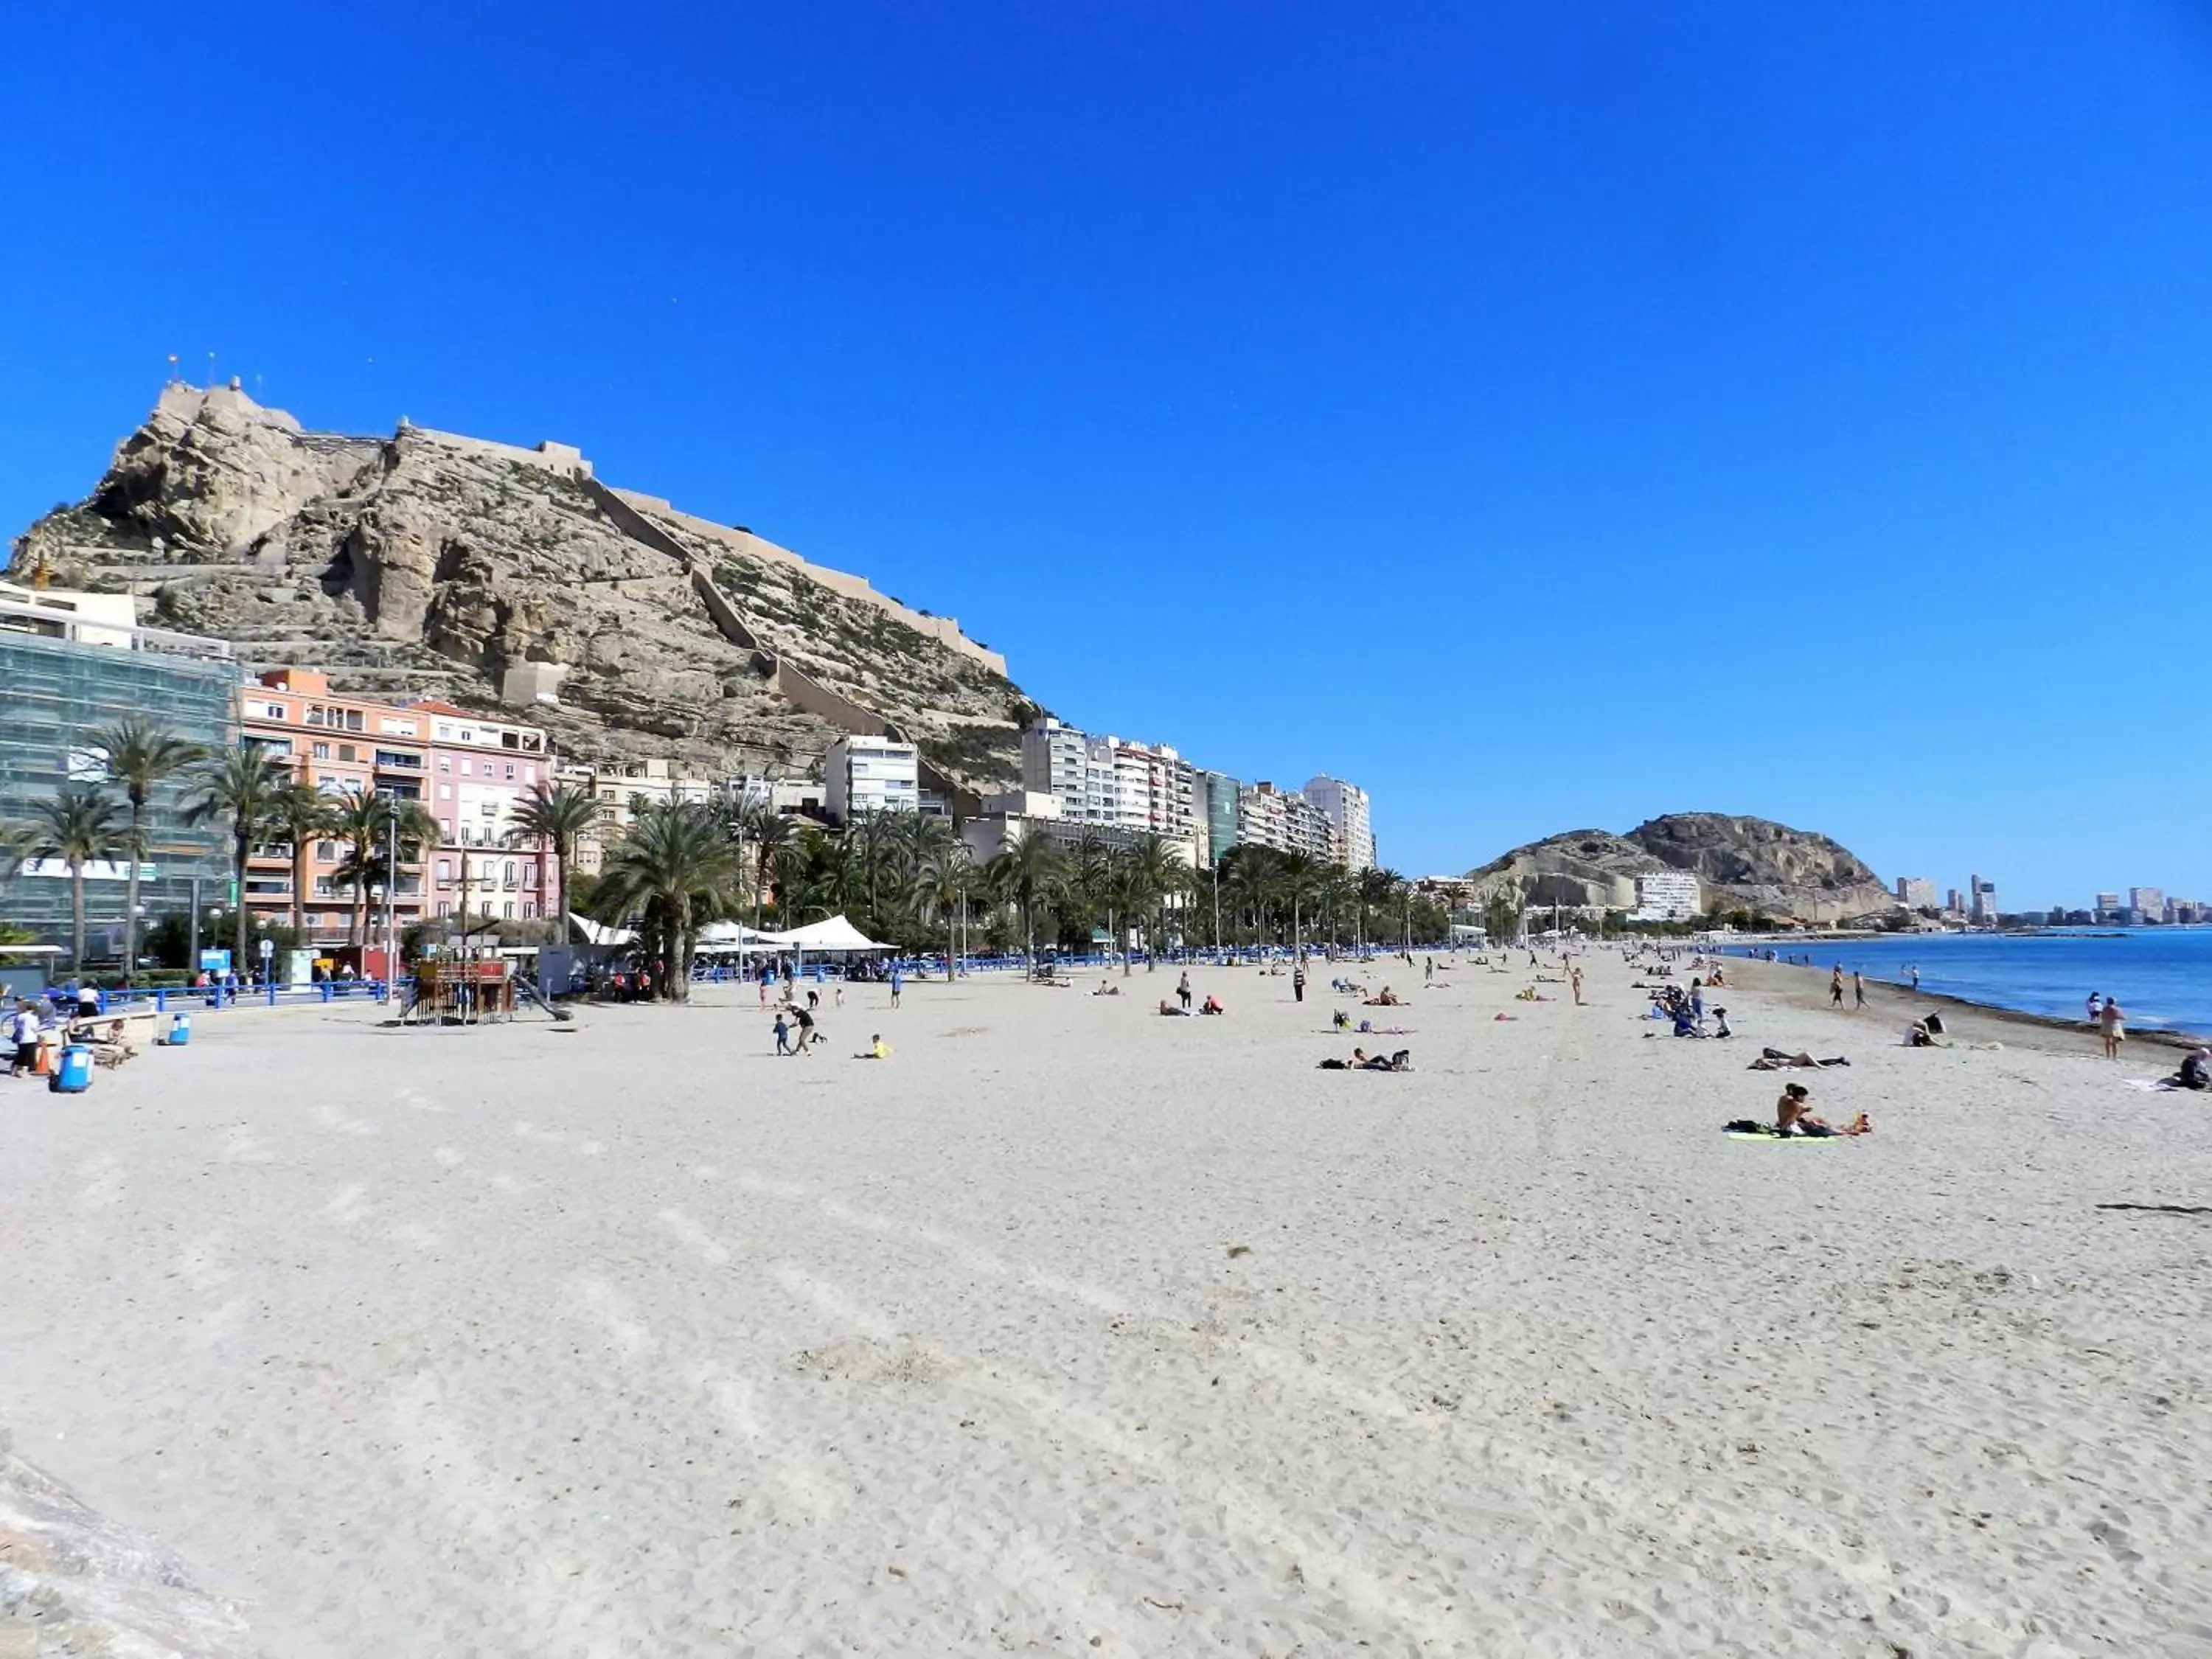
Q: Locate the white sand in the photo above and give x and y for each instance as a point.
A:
(638, 1340)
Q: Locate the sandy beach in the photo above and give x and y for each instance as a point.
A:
(1071, 1329)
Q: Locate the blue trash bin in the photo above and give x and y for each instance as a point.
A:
(74, 1075)
(180, 1031)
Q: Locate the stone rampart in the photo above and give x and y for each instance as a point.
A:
(944, 630)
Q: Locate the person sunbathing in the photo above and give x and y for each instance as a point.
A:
(1172, 1012)
(1773, 1060)
(1386, 998)
(1793, 1115)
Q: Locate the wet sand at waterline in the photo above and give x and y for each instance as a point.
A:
(1073, 1329)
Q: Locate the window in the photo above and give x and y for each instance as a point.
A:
(345, 751)
(529, 910)
(530, 875)
(444, 762)
(320, 751)
(445, 830)
(353, 721)
(326, 852)
(444, 869)
(464, 766)
(445, 908)
(510, 768)
(508, 910)
(273, 711)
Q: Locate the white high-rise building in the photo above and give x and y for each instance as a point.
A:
(1982, 899)
(1916, 892)
(1266, 816)
(1052, 763)
(1666, 895)
(861, 775)
(2147, 903)
(1346, 807)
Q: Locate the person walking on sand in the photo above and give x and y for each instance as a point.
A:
(1916, 980)
(1299, 985)
(1182, 990)
(1858, 990)
(1575, 977)
(898, 984)
(2110, 1024)
(782, 1033)
(1836, 986)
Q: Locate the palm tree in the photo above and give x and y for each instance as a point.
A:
(369, 824)
(1031, 871)
(946, 882)
(674, 872)
(302, 816)
(78, 825)
(563, 815)
(241, 787)
(138, 755)
(770, 833)
(1159, 875)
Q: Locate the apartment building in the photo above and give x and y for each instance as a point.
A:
(1346, 807)
(1916, 892)
(339, 746)
(1267, 816)
(1666, 895)
(622, 786)
(480, 768)
(861, 775)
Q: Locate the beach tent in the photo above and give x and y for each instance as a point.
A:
(599, 932)
(836, 937)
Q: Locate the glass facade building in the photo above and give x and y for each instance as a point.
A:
(1217, 805)
(55, 694)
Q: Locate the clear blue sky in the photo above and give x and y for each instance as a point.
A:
(1546, 416)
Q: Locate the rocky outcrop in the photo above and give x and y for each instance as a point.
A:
(1741, 863)
(1765, 866)
(74, 1586)
(429, 563)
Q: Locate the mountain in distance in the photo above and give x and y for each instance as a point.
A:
(1746, 863)
(429, 564)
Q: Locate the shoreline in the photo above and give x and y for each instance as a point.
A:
(1960, 1013)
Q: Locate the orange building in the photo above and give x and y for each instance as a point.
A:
(338, 745)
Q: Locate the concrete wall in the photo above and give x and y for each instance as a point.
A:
(944, 630)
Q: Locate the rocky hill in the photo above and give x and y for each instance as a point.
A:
(431, 563)
(1740, 862)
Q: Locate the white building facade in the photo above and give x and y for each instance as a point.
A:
(863, 776)
(1350, 822)
(1666, 895)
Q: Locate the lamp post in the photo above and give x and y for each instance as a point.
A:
(392, 895)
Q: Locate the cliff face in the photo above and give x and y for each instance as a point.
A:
(1740, 862)
(429, 563)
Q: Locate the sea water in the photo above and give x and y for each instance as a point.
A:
(2162, 976)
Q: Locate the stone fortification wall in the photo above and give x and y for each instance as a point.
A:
(944, 630)
(817, 698)
(563, 458)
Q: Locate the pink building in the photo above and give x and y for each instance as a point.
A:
(479, 770)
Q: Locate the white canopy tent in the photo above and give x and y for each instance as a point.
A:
(836, 937)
